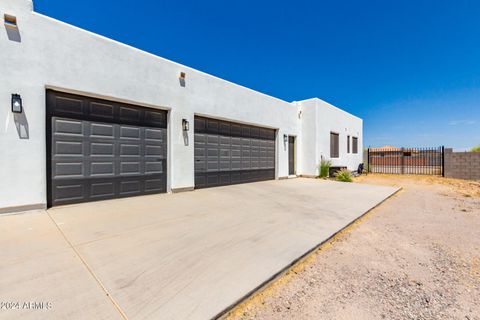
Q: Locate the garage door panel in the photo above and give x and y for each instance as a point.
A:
(153, 167)
(69, 192)
(102, 131)
(102, 190)
(129, 133)
(200, 153)
(130, 114)
(200, 139)
(212, 140)
(101, 110)
(225, 166)
(200, 180)
(102, 149)
(200, 124)
(154, 185)
(130, 168)
(102, 169)
(212, 180)
(69, 105)
(236, 164)
(155, 119)
(224, 129)
(69, 148)
(236, 142)
(129, 187)
(68, 127)
(213, 166)
(212, 126)
(69, 169)
(154, 134)
(94, 160)
(224, 141)
(127, 149)
(230, 153)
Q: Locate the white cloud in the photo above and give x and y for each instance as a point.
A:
(461, 122)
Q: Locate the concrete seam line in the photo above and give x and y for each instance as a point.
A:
(223, 315)
(100, 284)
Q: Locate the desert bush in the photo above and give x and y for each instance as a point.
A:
(324, 167)
(475, 149)
(343, 175)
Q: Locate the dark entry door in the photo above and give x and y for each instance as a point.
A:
(98, 149)
(291, 155)
(230, 153)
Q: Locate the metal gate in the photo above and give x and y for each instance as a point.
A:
(423, 161)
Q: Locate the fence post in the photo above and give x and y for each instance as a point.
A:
(368, 160)
(443, 161)
(402, 162)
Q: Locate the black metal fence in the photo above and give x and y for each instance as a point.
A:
(425, 161)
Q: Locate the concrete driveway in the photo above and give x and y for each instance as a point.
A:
(171, 256)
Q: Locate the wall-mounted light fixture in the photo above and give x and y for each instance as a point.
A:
(285, 138)
(10, 21)
(185, 125)
(16, 103)
(181, 79)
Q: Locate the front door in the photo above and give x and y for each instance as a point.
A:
(291, 155)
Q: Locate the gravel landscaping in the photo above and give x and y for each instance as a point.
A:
(416, 256)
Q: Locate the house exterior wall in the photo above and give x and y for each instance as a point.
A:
(51, 54)
(319, 118)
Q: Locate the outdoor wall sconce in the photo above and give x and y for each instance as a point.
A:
(185, 125)
(16, 103)
(285, 138)
(181, 79)
(10, 21)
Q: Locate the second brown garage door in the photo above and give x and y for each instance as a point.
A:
(230, 153)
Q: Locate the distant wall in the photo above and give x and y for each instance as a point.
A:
(462, 165)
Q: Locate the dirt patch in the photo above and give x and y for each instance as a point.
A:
(417, 256)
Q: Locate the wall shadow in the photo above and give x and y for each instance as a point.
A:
(21, 123)
(13, 34)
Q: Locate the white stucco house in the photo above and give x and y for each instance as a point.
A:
(86, 118)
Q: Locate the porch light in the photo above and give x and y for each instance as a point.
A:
(16, 103)
(185, 125)
(285, 138)
(10, 21)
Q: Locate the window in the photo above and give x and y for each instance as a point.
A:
(355, 144)
(348, 144)
(333, 145)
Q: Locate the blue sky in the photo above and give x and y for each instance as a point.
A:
(410, 69)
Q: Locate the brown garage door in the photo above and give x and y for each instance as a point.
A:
(98, 149)
(230, 153)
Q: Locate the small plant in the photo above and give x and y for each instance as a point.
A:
(343, 175)
(475, 149)
(324, 168)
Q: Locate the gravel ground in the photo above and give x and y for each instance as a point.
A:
(417, 256)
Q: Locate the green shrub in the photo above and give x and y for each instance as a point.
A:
(475, 149)
(324, 167)
(343, 175)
